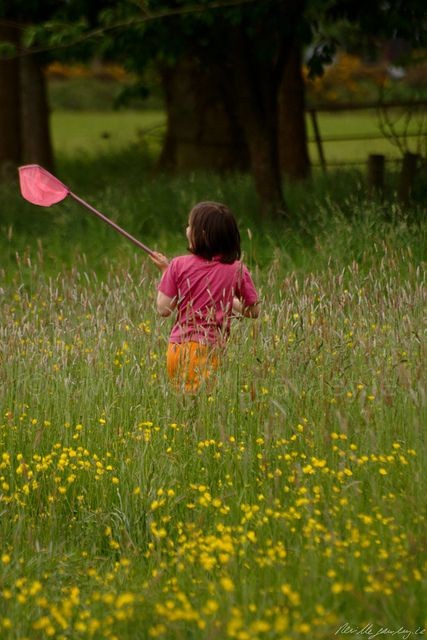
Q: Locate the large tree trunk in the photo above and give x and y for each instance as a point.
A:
(10, 124)
(294, 158)
(36, 139)
(224, 112)
(202, 130)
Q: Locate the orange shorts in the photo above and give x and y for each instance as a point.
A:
(190, 363)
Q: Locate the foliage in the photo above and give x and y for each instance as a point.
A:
(58, 70)
(362, 28)
(350, 78)
(398, 126)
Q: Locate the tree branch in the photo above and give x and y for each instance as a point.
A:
(95, 33)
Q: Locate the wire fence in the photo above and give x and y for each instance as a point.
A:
(319, 140)
(388, 128)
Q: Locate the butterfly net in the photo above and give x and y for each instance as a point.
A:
(40, 187)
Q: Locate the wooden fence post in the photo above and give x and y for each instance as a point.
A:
(376, 165)
(407, 175)
(318, 138)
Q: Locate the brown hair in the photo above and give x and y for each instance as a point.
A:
(214, 232)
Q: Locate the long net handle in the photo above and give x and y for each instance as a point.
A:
(115, 226)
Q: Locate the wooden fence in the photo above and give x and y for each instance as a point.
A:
(319, 140)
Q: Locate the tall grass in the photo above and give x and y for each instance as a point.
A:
(286, 502)
(155, 208)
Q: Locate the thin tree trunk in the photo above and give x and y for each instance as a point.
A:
(167, 159)
(10, 124)
(294, 158)
(36, 139)
(257, 107)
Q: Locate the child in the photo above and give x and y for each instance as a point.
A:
(206, 287)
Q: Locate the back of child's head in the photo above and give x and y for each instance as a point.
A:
(214, 232)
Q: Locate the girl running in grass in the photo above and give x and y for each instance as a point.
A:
(206, 288)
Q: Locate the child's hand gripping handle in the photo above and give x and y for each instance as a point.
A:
(159, 260)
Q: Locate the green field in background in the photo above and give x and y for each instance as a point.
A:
(96, 131)
(366, 124)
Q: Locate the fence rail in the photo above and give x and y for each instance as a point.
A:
(360, 106)
(319, 140)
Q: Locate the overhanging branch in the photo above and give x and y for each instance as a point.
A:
(98, 32)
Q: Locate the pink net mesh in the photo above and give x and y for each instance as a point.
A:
(40, 187)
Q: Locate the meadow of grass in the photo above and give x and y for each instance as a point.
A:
(288, 502)
(94, 132)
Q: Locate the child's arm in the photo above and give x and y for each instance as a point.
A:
(251, 311)
(165, 304)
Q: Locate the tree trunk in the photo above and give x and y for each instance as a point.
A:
(224, 109)
(256, 103)
(167, 160)
(262, 145)
(36, 139)
(10, 125)
(202, 131)
(294, 158)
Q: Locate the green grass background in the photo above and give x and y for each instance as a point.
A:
(99, 131)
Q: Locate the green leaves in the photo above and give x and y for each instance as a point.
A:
(321, 56)
(54, 33)
(138, 90)
(7, 50)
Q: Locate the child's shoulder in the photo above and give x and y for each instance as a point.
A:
(186, 260)
(190, 260)
(184, 264)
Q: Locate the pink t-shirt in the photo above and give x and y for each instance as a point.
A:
(205, 290)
